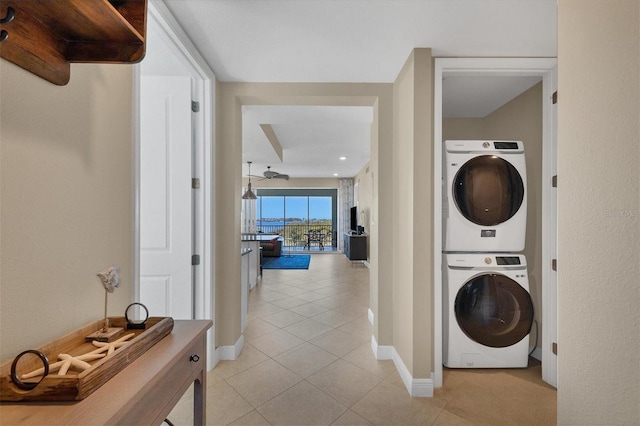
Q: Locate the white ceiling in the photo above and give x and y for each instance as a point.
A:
(313, 138)
(356, 41)
(478, 96)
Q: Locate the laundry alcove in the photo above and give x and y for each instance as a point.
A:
(542, 222)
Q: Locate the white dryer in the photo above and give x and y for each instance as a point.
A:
(485, 196)
(487, 310)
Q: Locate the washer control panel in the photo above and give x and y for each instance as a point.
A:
(485, 260)
(507, 260)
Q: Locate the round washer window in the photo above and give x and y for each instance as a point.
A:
(494, 310)
(488, 190)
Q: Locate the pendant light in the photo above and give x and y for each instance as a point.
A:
(249, 195)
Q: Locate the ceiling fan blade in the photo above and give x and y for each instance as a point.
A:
(281, 176)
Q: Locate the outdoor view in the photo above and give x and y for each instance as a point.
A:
(301, 220)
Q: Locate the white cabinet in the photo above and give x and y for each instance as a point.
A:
(254, 261)
(244, 287)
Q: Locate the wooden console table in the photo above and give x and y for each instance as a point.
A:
(143, 393)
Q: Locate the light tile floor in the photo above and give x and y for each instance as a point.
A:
(307, 360)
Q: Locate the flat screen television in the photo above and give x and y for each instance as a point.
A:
(354, 219)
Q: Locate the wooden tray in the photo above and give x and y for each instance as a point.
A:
(78, 385)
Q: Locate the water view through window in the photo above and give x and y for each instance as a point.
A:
(296, 217)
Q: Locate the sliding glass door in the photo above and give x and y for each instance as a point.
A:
(305, 218)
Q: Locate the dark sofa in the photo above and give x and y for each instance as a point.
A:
(272, 248)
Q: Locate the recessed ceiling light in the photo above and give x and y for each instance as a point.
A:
(335, 174)
(343, 158)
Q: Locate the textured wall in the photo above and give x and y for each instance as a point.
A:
(598, 212)
(66, 211)
(412, 215)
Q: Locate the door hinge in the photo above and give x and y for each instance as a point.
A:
(195, 106)
(554, 348)
(554, 264)
(554, 97)
(195, 183)
(195, 260)
(554, 181)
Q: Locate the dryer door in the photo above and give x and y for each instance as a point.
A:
(488, 190)
(494, 310)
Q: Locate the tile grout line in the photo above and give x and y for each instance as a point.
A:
(305, 379)
(353, 298)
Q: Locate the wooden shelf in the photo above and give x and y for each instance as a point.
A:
(46, 35)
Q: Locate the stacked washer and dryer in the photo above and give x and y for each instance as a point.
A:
(487, 309)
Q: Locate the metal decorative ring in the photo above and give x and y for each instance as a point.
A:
(14, 377)
(133, 323)
(11, 13)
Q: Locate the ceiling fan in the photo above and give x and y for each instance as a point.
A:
(270, 174)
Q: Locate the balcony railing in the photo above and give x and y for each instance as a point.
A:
(296, 236)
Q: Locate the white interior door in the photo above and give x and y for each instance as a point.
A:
(165, 196)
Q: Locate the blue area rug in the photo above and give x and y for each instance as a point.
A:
(295, 261)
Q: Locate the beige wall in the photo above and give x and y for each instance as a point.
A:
(462, 128)
(231, 97)
(598, 212)
(65, 209)
(519, 119)
(412, 215)
(228, 158)
(293, 183)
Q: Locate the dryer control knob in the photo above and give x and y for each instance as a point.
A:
(486, 144)
(487, 260)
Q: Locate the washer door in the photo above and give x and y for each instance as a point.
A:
(488, 190)
(494, 310)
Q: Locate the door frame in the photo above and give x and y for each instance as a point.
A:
(203, 87)
(545, 68)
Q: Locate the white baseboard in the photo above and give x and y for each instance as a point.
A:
(423, 388)
(370, 316)
(230, 353)
(381, 352)
(212, 353)
(415, 387)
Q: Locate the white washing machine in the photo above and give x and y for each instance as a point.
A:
(487, 310)
(485, 196)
